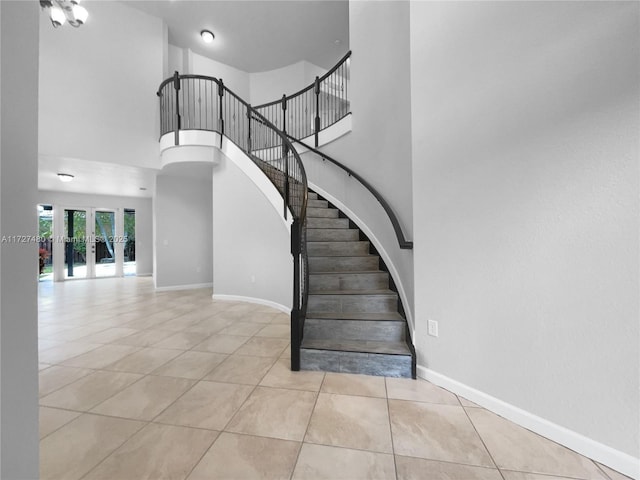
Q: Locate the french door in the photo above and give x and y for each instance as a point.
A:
(88, 242)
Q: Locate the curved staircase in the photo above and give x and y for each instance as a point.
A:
(353, 320)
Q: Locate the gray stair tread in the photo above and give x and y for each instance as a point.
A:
(350, 272)
(350, 255)
(355, 316)
(363, 346)
(355, 292)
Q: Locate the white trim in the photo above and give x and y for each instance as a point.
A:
(328, 135)
(141, 275)
(383, 253)
(192, 286)
(615, 459)
(259, 301)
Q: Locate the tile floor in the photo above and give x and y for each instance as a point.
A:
(137, 384)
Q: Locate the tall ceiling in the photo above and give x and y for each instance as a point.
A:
(257, 35)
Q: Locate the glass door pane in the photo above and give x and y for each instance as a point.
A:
(75, 252)
(45, 241)
(105, 234)
(130, 241)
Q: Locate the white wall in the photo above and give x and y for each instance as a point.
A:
(271, 85)
(525, 186)
(19, 271)
(175, 60)
(144, 218)
(97, 86)
(183, 229)
(251, 245)
(379, 146)
(234, 79)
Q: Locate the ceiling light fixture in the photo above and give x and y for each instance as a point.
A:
(207, 36)
(61, 11)
(65, 177)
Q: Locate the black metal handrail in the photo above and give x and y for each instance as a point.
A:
(197, 102)
(315, 107)
(402, 241)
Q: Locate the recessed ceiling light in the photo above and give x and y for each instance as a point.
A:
(65, 177)
(207, 36)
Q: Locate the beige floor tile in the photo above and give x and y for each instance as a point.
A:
(181, 323)
(287, 352)
(194, 365)
(467, 403)
(66, 351)
(247, 457)
(281, 318)
(613, 475)
(352, 422)
(144, 338)
(73, 450)
(181, 341)
(145, 399)
(262, 316)
(350, 384)
(209, 326)
(155, 452)
(241, 369)
(264, 347)
(101, 356)
(108, 335)
(207, 405)
(419, 391)
(319, 462)
(241, 328)
(281, 376)
(52, 419)
(221, 343)
(58, 376)
(515, 448)
(509, 475)
(409, 468)
(43, 366)
(145, 360)
(435, 432)
(46, 343)
(89, 391)
(274, 412)
(275, 331)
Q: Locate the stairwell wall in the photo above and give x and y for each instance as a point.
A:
(379, 145)
(525, 173)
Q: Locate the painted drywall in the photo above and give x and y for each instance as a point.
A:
(97, 86)
(379, 145)
(271, 85)
(144, 218)
(251, 246)
(183, 228)
(236, 80)
(176, 61)
(525, 186)
(19, 258)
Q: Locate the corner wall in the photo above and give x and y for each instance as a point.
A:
(525, 125)
(183, 231)
(19, 259)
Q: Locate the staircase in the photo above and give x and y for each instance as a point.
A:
(353, 324)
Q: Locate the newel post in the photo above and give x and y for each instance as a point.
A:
(176, 87)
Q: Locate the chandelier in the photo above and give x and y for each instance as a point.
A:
(61, 11)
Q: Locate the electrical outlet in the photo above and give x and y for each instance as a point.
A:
(432, 328)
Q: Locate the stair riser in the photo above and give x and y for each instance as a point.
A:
(315, 329)
(327, 222)
(352, 362)
(320, 249)
(322, 213)
(317, 203)
(352, 303)
(312, 196)
(342, 264)
(332, 235)
(348, 281)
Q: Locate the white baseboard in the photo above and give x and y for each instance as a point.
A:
(144, 274)
(608, 456)
(192, 286)
(259, 301)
